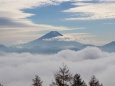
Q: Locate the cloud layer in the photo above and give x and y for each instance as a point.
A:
(19, 69)
(78, 37)
(91, 11)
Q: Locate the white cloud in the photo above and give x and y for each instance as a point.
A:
(14, 7)
(93, 11)
(78, 37)
(20, 69)
(12, 11)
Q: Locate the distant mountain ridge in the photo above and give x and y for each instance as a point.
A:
(110, 47)
(50, 47)
(111, 44)
(2, 46)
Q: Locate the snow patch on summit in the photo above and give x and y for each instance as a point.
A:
(51, 34)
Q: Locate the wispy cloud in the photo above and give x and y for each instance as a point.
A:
(77, 37)
(93, 11)
(13, 9)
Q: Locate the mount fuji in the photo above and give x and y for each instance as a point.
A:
(43, 45)
(49, 35)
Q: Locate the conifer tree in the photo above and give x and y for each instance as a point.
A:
(94, 82)
(77, 81)
(1, 85)
(62, 77)
(84, 84)
(37, 81)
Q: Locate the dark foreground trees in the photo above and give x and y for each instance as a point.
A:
(94, 82)
(37, 81)
(1, 85)
(63, 77)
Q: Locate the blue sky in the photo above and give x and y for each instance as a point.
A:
(89, 21)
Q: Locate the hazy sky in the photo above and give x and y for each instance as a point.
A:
(91, 21)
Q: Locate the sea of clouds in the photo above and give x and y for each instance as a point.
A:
(19, 69)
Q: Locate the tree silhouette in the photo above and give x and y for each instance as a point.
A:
(62, 77)
(77, 81)
(84, 84)
(94, 82)
(37, 81)
(1, 85)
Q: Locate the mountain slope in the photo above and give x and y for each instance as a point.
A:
(111, 44)
(3, 48)
(110, 47)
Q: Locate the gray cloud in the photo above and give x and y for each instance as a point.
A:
(20, 69)
(10, 23)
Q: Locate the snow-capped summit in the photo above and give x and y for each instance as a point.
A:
(41, 41)
(50, 35)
